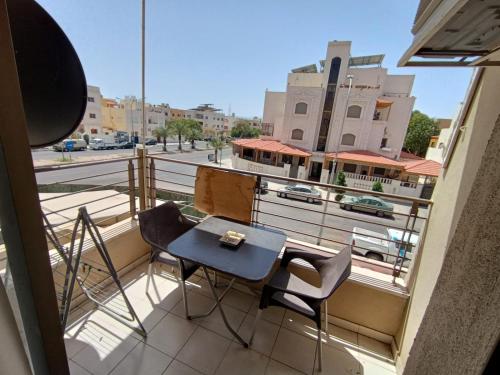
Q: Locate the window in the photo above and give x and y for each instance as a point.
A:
(92, 115)
(90, 99)
(379, 171)
(348, 139)
(383, 143)
(266, 155)
(301, 108)
(297, 134)
(354, 111)
(93, 131)
(349, 168)
(286, 159)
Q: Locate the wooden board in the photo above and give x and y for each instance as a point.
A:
(223, 193)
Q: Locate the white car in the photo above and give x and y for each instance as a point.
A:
(384, 247)
(78, 145)
(302, 192)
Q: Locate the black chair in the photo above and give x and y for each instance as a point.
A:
(291, 292)
(159, 227)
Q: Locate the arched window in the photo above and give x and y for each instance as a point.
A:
(348, 139)
(301, 108)
(297, 134)
(354, 111)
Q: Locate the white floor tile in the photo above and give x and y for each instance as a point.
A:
(204, 351)
(144, 360)
(295, 350)
(170, 334)
(179, 368)
(265, 335)
(242, 361)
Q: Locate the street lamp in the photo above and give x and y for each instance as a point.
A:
(331, 177)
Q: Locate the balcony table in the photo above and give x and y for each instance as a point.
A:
(252, 261)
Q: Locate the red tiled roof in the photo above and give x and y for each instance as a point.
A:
(423, 167)
(410, 156)
(366, 157)
(271, 146)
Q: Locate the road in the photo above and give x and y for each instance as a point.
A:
(301, 219)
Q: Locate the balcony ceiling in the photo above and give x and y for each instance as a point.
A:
(455, 33)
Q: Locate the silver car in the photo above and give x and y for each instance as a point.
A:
(302, 192)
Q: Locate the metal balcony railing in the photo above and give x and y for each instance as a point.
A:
(172, 179)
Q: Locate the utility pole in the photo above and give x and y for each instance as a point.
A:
(331, 178)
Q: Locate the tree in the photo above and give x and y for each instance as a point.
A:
(217, 143)
(194, 132)
(420, 130)
(340, 181)
(377, 186)
(162, 134)
(243, 129)
(181, 128)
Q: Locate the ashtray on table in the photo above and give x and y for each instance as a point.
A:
(232, 239)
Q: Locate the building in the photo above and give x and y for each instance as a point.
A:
(210, 118)
(439, 143)
(156, 116)
(92, 120)
(316, 116)
(231, 120)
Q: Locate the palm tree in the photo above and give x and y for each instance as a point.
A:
(195, 132)
(217, 143)
(162, 133)
(181, 128)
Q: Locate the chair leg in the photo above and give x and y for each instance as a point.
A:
(182, 281)
(150, 270)
(320, 351)
(254, 328)
(326, 318)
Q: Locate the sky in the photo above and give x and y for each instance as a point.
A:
(228, 52)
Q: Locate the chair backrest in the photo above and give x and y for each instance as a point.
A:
(163, 224)
(223, 193)
(334, 271)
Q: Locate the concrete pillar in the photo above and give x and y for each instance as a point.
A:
(286, 170)
(325, 173)
(302, 173)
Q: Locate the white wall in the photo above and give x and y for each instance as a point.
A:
(436, 153)
(274, 110)
(450, 195)
(251, 166)
(93, 109)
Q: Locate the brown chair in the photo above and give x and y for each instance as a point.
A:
(159, 227)
(291, 292)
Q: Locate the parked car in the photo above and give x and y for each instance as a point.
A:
(383, 247)
(78, 145)
(126, 145)
(102, 144)
(302, 192)
(367, 203)
(263, 187)
(150, 142)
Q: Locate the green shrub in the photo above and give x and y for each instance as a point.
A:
(340, 181)
(377, 186)
(339, 197)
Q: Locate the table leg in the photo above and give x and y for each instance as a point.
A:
(219, 305)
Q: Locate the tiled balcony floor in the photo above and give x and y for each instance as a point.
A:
(284, 343)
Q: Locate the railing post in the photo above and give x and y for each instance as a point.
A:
(152, 183)
(131, 187)
(409, 227)
(141, 173)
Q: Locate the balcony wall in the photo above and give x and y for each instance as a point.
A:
(247, 165)
(391, 186)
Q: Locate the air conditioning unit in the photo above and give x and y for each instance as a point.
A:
(386, 149)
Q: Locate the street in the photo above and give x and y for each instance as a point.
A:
(300, 219)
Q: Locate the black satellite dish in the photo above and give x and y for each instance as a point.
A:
(51, 76)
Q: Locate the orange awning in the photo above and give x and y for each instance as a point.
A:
(271, 146)
(381, 103)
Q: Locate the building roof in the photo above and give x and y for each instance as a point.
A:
(366, 157)
(423, 167)
(271, 146)
(409, 156)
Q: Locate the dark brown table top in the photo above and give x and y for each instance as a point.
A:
(251, 261)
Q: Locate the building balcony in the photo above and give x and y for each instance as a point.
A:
(365, 315)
